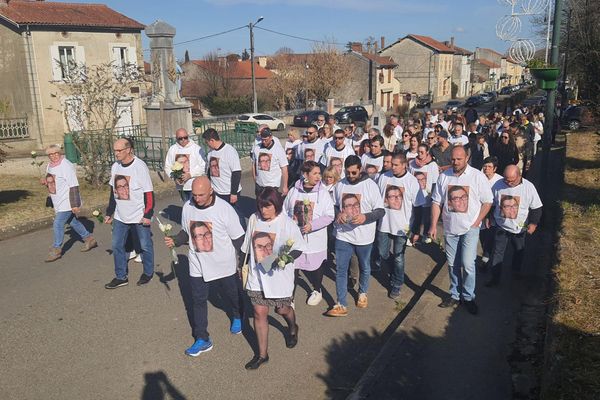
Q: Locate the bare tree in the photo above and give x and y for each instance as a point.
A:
(92, 98)
(216, 73)
(327, 70)
(288, 81)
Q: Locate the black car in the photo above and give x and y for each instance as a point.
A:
(474, 101)
(349, 114)
(506, 90)
(574, 117)
(308, 118)
(424, 101)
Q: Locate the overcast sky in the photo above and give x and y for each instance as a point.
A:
(471, 22)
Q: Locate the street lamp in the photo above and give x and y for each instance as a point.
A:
(306, 86)
(251, 26)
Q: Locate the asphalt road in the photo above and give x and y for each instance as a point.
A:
(64, 336)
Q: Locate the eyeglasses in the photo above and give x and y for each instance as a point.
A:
(53, 154)
(182, 138)
(339, 138)
(456, 198)
(430, 137)
(122, 186)
(354, 205)
(266, 247)
(311, 132)
(120, 150)
(205, 236)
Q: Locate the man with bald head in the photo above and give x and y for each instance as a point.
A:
(207, 219)
(131, 212)
(193, 158)
(516, 214)
(468, 186)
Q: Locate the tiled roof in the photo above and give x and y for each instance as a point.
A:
(239, 69)
(432, 43)
(461, 51)
(487, 63)
(45, 13)
(381, 60)
(493, 51)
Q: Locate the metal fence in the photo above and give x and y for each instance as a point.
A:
(14, 128)
(99, 143)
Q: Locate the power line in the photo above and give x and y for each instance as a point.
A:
(299, 37)
(213, 35)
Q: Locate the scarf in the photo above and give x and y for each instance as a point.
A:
(424, 162)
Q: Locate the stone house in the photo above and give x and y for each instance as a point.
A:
(35, 35)
(486, 76)
(424, 65)
(510, 71)
(227, 75)
(371, 79)
(461, 68)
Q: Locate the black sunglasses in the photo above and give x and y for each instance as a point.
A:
(183, 138)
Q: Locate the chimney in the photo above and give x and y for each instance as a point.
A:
(356, 46)
(451, 42)
(382, 42)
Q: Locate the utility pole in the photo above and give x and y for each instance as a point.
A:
(551, 93)
(254, 101)
(563, 86)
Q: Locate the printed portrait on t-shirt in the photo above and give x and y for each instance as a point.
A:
(309, 155)
(458, 198)
(262, 243)
(201, 232)
(351, 204)
(509, 206)
(183, 159)
(337, 163)
(371, 170)
(121, 187)
(303, 212)
(264, 161)
(394, 195)
(422, 179)
(213, 167)
(51, 183)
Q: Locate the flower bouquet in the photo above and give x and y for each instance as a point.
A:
(166, 230)
(280, 260)
(36, 163)
(177, 172)
(98, 215)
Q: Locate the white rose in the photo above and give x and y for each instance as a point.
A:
(95, 213)
(33, 153)
(281, 264)
(177, 166)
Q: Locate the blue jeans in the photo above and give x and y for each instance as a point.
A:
(343, 253)
(383, 247)
(461, 251)
(61, 218)
(119, 237)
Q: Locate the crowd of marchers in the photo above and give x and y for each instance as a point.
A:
(323, 196)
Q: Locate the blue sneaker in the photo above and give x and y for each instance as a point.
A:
(199, 346)
(236, 326)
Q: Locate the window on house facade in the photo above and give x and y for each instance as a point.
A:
(66, 57)
(389, 76)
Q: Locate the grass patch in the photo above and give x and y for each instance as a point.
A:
(575, 363)
(23, 198)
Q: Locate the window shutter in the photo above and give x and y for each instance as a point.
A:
(132, 56)
(55, 63)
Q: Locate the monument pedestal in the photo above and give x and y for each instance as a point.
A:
(169, 118)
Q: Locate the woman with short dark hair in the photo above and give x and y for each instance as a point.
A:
(272, 238)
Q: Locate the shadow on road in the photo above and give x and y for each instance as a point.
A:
(159, 387)
(13, 196)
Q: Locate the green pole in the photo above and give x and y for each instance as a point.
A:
(551, 94)
(70, 149)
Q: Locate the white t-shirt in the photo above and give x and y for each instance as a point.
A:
(221, 164)
(191, 157)
(336, 156)
(210, 232)
(432, 173)
(292, 145)
(317, 204)
(398, 206)
(268, 164)
(460, 140)
(368, 162)
(129, 192)
(360, 198)
(65, 178)
(495, 178)
(267, 239)
(468, 192)
(398, 131)
(512, 204)
(317, 148)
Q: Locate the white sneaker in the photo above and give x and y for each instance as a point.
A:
(138, 258)
(315, 298)
(409, 243)
(132, 255)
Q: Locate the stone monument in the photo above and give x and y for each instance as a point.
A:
(166, 111)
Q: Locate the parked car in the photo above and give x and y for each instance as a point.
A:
(308, 118)
(275, 124)
(346, 115)
(575, 117)
(454, 105)
(534, 101)
(486, 97)
(424, 101)
(493, 94)
(474, 101)
(506, 90)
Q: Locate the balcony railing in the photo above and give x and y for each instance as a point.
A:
(14, 128)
